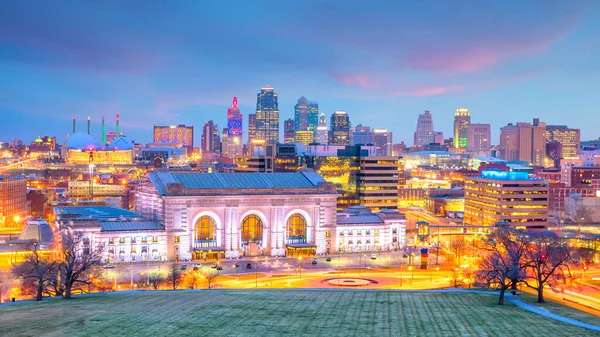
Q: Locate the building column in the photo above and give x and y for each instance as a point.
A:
(232, 249)
(277, 227)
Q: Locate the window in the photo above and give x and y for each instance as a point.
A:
(121, 240)
(177, 239)
(111, 241)
(296, 229)
(133, 239)
(376, 231)
(144, 249)
(205, 229)
(144, 239)
(252, 229)
(368, 232)
(155, 239)
(394, 230)
(327, 234)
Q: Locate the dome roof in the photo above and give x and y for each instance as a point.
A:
(120, 143)
(80, 140)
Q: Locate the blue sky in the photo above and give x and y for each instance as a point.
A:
(181, 62)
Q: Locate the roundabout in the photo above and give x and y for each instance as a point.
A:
(348, 282)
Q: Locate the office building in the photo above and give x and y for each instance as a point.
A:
(267, 116)
(322, 133)
(211, 141)
(362, 135)
(306, 115)
(505, 196)
(13, 203)
(181, 135)
(569, 139)
(358, 229)
(479, 139)
(234, 120)
(305, 137)
(382, 140)
(378, 180)
(339, 133)
(288, 131)
(251, 128)
(524, 142)
(424, 134)
(462, 119)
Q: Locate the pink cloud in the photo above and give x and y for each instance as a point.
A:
(427, 91)
(360, 80)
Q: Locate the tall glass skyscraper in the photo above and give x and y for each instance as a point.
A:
(234, 120)
(462, 119)
(339, 133)
(267, 116)
(321, 135)
(306, 116)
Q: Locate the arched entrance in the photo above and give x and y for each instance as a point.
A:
(205, 236)
(252, 235)
(296, 237)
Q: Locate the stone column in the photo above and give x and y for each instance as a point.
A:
(277, 227)
(231, 233)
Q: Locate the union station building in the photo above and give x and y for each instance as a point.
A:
(231, 215)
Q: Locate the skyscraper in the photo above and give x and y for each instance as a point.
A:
(321, 133)
(362, 135)
(180, 134)
(208, 137)
(524, 142)
(267, 116)
(462, 119)
(570, 139)
(339, 133)
(288, 131)
(231, 142)
(478, 139)
(382, 140)
(301, 114)
(424, 133)
(251, 128)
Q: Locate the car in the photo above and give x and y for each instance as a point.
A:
(110, 265)
(249, 266)
(219, 267)
(183, 267)
(235, 266)
(373, 256)
(328, 259)
(315, 261)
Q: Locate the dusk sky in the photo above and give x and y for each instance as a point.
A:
(181, 62)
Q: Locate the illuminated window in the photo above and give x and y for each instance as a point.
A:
(205, 229)
(252, 229)
(121, 240)
(296, 229)
(327, 234)
(177, 239)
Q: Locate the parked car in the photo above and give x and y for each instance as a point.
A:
(183, 267)
(249, 266)
(235, 266)
(373, 256)
(110, 265)
(315, 261)
(328, 259)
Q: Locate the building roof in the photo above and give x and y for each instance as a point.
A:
(130, 226)
(80, 140)
(93, 212)
(347, 219)
(217, 180)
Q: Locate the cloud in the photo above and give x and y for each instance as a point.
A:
(428, 91)
(359, 80)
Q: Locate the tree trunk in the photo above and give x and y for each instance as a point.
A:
(67, 295)
(513, 285)
(541, 294)
(501, 297)
(40, 291)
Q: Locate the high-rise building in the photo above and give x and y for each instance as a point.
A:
(503, 196)
(208, 137)
(181, 135)
(424, 133)
(13, 203)
(478, 139)
(339, 133)
(382, 140)
(234, 120)
(524, 142)
(570, 139)
(321, 135)
(378, 180)
(251, 128)
(462, 119)
(301, 114)
(267, 116)
(362, 135)
(288, 131)
(438, 138)
(304, 136)
(554, 152)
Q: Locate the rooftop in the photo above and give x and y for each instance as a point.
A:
(506, 175)
(130, 226)
(93, 212)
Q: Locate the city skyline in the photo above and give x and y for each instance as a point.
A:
(499, 71)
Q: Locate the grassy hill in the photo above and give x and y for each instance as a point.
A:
(279, 312)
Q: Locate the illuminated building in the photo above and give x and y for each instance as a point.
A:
(251, 128)
(321, 135)
(13, 203)
(554, 152)
(424, 133)
(362, 135)
(240, 214)
(211, 141)
(234, 120)
(462, 119)
(524, 142)
(304, 137)
(442, 159)
(231, 145)
(479, 139)
(270, 158)
(339, 133)
(504, 196)
(360, 230)
(267, 116)
(112, 136)
(438, 138)
(569, 139)
(123, 234)
(382, 140)
(41, 144)
(83, 190)
(579, 177)
(288, 131)
(180, 134)
(306, 115)
(378, 181)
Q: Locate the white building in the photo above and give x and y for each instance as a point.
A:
(360, 230)
(240, 214)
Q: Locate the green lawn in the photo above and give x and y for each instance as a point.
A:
(277, 313)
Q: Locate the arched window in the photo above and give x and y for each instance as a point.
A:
(296, 229)
(205, 230)
(252, 229)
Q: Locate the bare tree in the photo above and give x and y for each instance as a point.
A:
(502, 268)
(458, 246)
(192, 278)
(209, 275)
(78, 260)
(36, 271)
(156, 279)
(174, 277)
(547, 262)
